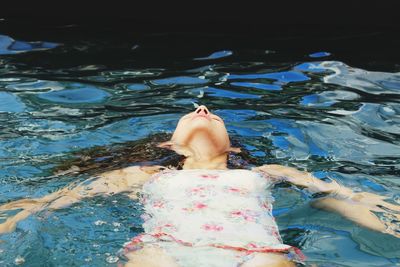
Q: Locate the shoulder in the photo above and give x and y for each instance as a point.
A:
(151, 169)
(137, 171)
(245, 174)
(242, 171)
(274, 170)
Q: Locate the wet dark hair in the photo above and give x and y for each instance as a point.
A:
(140, 152)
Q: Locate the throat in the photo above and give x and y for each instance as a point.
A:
(216, 163)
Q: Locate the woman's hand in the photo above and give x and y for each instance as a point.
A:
(358, 207)
(27, 206)
(125, 180)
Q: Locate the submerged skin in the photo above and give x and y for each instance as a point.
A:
(203, 139)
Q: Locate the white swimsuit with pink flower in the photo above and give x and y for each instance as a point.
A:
(224, 209)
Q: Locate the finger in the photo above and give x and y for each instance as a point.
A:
(390, 206)
(10, 224)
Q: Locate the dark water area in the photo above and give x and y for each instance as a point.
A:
(325, 99)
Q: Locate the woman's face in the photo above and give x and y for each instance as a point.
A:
(202, 131)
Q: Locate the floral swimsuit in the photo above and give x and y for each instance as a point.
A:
(210, 217)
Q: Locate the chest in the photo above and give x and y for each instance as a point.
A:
(206, 183)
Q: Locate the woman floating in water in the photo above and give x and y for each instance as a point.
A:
(207, 214)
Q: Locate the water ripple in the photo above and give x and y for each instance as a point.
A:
(80, 95)
(371, 82)
(292, 108)
(284, 77)
(182, 80)
(10, 46)
(10, 103)
(216, 55)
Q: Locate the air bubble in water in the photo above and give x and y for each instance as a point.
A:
(19, 260)
(112, 259)
(99, 222)
(116, 224)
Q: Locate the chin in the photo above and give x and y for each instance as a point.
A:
(200, 123)
(200, 128)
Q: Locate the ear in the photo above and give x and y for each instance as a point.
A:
(234, 149)
(167, 145)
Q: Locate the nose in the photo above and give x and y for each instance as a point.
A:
(202, 110)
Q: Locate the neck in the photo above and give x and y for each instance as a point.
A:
(217, 163)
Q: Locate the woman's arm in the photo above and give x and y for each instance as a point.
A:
(127, 180)
(357, 207)
(305, 180)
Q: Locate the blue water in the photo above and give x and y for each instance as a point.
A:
(309, 109)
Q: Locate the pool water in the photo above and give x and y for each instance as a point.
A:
(331, 110)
